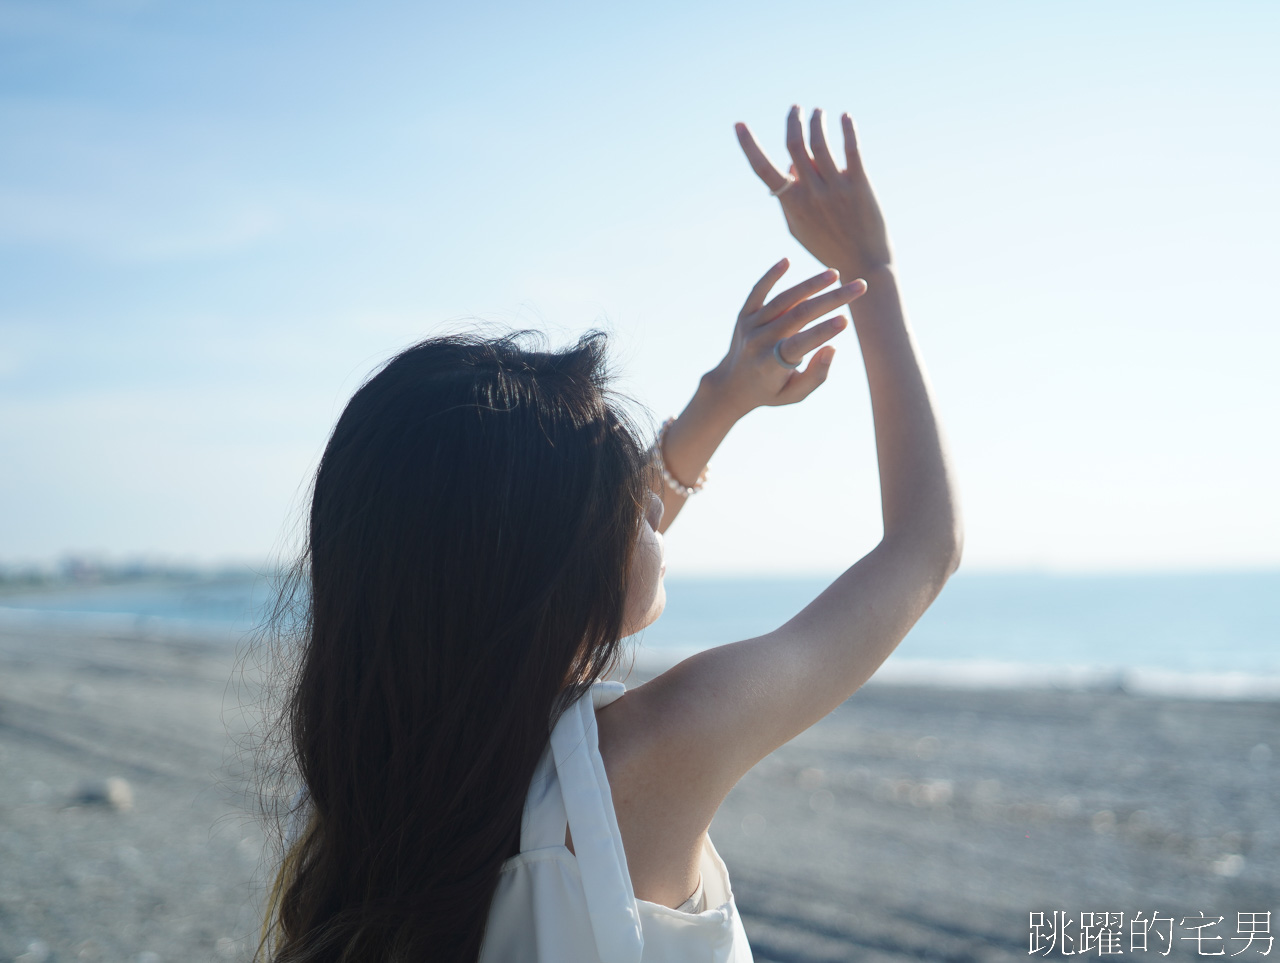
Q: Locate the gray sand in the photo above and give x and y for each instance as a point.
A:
(912, 823)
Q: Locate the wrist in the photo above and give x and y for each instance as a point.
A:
(716, 399)
(686, 444)
(851, 269)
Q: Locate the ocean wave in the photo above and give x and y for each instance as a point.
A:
(992, 674)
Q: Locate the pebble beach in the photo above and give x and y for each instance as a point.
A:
(914, 823)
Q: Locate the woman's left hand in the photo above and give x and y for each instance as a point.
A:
(750, 375)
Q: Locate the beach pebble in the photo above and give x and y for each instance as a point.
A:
(114, 793)
(822, 801)
(811, 779)
(1230, 865)
(932, 792)
(37, 952)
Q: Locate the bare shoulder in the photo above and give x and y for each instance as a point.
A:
(662, 829)
(685, 738)
(672, 748)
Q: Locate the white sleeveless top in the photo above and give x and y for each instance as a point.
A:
(553, 906)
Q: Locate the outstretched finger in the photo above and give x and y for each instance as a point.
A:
(772, 177)
(818, 144)
(803, 383)
(755, 300)
(792, 296)
(795, 146)
(815, 307)
(853, 160)
(794, 348)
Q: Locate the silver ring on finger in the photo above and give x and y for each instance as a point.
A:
(786, 185)
(777, 353)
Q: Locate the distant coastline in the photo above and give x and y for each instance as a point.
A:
(1198, 635)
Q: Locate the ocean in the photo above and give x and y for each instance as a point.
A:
(1205, 634)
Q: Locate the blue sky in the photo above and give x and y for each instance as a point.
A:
(215, 219)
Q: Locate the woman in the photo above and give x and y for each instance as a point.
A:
(482, 535)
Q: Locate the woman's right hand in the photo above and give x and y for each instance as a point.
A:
(832, 212)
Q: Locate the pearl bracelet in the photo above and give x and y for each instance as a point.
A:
(667, 477)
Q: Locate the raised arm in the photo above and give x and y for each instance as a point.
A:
(709, 719)
(750, 375)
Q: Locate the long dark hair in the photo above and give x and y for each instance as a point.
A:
(471, 528)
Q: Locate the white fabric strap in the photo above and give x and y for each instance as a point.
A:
(597, 843)
(542, 825)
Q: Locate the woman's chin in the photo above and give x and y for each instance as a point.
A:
(659, 605)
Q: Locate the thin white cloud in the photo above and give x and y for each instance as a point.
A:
(115, 230)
